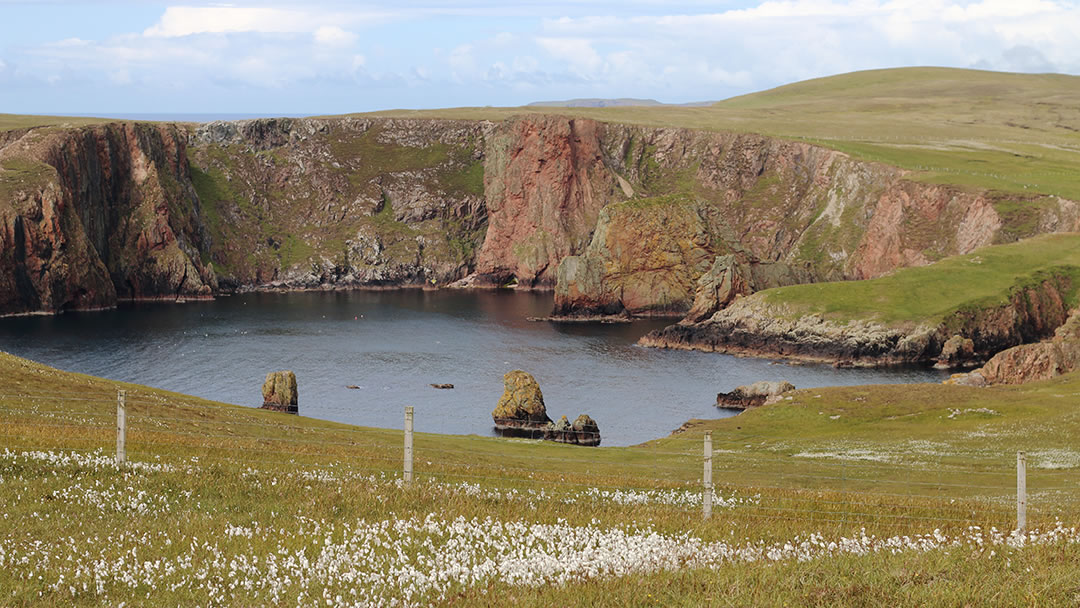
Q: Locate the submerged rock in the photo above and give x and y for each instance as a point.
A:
(753, 395)
(279, 392)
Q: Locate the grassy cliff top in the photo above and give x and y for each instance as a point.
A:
(1010, 132)
(927, 294)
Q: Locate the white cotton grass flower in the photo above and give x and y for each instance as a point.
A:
(389, 560)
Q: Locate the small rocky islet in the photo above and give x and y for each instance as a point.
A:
(521, 412)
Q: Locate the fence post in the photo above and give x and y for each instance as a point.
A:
(121, 427)
(1021, 491)
(706, 497)
(408, 444)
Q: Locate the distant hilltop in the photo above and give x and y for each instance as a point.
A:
(611, 103)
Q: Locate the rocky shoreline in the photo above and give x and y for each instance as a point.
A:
(751, 326)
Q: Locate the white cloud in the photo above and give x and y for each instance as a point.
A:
(188, 20)
(331, 35)
(606, 48)
(180, 21)
(578, 52)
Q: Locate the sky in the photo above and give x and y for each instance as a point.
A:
(331, 57)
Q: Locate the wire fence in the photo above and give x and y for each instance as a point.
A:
(928, 489)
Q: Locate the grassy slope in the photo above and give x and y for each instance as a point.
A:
(22, 121)
(891, 459)
(929, 293)
(1012, 132)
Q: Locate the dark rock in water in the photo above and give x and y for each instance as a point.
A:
(758, 393)
(521, 412)
(584, 431)
(442, 386)
(279, 392)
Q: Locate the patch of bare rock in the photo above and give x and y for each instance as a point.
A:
(754, 395)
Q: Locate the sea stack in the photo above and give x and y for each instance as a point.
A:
(521, 411)
(521, 407)
(279, 392)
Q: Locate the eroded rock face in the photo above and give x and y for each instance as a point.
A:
(99, 213)
(545, 183)
(1031, 362)
(279, 392)
(751, 326)
(956, 351)
(753, 395)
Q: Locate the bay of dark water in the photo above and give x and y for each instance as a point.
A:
(394, 344)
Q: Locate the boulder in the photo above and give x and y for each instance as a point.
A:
(753, 395)
(521, 405)
(279, 392)
(583, 431)
(957, 350)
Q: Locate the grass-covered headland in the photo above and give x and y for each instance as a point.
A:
(847, 496)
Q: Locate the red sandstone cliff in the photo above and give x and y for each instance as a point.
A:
(545, 182)
(94, 214)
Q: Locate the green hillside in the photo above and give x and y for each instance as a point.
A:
(927, 294)
(1012, 132)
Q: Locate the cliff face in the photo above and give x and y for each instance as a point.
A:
(615, 218)
(545, 182)
(310, 203)
(94, 214)
(796, 212)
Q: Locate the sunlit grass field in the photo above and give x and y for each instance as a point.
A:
(842, 496)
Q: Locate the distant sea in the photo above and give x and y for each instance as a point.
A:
(180, 117)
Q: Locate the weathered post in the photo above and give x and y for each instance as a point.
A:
(408, 444)
(121, 427)
(1021, 491)
(706, 498)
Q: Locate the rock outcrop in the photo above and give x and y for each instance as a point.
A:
(1031, 362)
(521, 406)
(521, 412)
(753, 395)
(279, 392)
(583, 431)
(752, 326)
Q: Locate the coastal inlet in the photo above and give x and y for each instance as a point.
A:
(393, 345)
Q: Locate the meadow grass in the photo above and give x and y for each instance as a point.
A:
(842, 488)
(927, 294)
